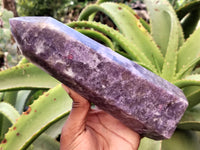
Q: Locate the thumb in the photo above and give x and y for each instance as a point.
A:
(77, 118)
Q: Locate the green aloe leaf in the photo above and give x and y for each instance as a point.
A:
(187, 69)
(191, 119)
(21, 100)
(182, 140)
(11, 97)
(165, 26)
(9, 111)
(181, 35)
(97, 36)
(189, 53)
(32, 123)
(32, 77)
(5, 123)
(192, 94)
(55, 130)
(170, 62)
(192, 80)
(91, 17)
(149, 144)
(143, 22)
(169, 66)
(23, 61)
(129, 26)
(45, 142)
(166, 33)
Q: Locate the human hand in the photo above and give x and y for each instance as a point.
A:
(94, 129)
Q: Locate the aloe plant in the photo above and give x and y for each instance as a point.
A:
(166, 47)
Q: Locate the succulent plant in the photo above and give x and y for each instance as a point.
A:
(167, 46)
(8, 49)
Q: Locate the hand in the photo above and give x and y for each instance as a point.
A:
(94, 129)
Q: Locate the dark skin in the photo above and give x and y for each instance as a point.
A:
(94, 129)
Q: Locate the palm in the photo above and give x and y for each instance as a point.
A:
(103, 132)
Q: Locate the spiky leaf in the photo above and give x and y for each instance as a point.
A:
(189, 53)
(56, 103)
(25, 76)
(21, 100)
(193, 95)
(97, 36)
(192, 80)
(10, 98)
(165, 26)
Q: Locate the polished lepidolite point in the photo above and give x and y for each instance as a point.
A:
(143, 101)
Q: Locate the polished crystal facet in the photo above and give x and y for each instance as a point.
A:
(143, 101)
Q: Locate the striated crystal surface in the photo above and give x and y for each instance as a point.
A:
(143, 101)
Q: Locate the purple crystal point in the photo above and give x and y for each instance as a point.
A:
(140, 99)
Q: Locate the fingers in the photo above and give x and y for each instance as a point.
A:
(77, 118)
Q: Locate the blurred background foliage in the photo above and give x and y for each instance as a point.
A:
(8, 48)
(63, 10)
